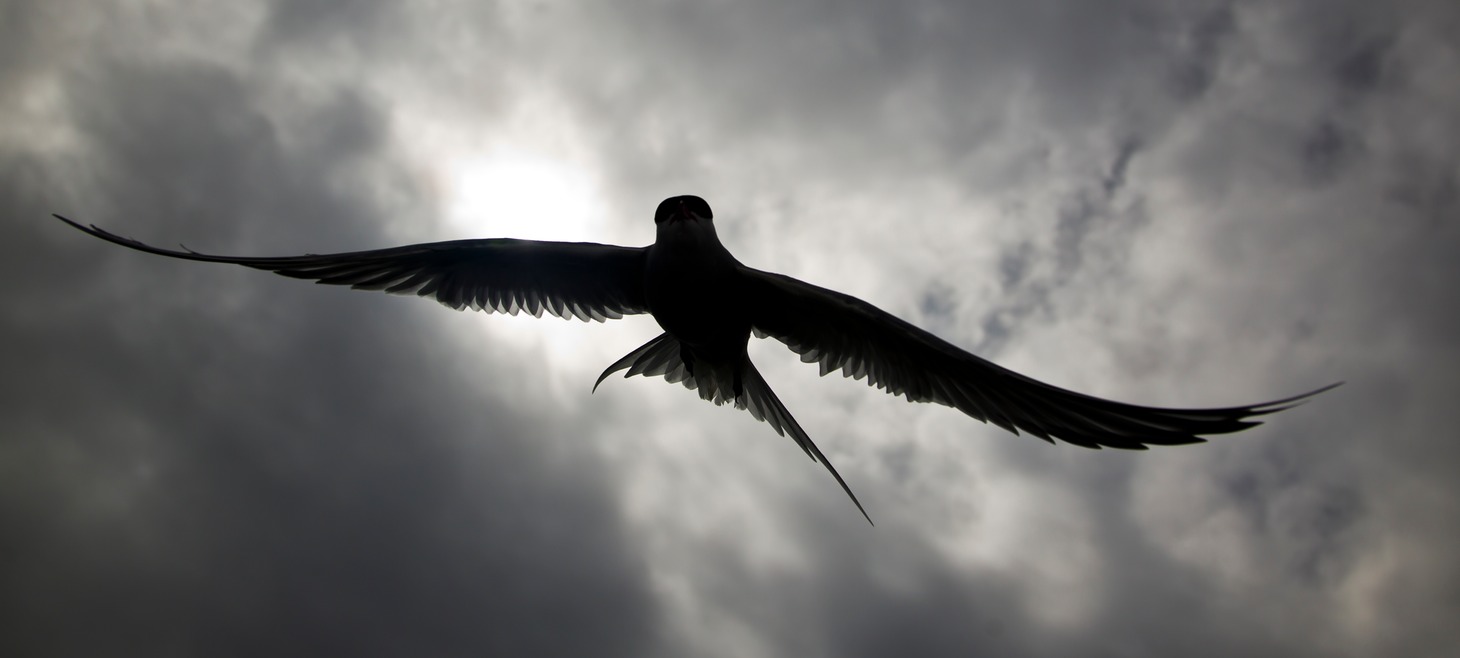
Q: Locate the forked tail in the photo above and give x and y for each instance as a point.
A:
(665, 357)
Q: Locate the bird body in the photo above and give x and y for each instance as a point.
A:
(694, 288)
(709, 305)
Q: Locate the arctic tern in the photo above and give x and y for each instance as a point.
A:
(709, 305)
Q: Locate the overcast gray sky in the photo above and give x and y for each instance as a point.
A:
(1189, 204)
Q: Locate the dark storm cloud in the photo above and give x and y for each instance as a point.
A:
(850, 79)
(222, 463)
(1199, 47)
(1207, 203)
(315, 20)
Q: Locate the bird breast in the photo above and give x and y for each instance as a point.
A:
(695, 288)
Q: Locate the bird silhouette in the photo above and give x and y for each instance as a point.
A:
(709, 304)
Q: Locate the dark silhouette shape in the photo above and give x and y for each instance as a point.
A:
(709, 304)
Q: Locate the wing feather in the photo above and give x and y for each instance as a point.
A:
(587, 281)
(841, 332)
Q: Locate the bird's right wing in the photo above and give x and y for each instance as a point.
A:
(567, 279)
(842, 332)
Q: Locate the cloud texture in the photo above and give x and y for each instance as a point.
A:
(1186, 204)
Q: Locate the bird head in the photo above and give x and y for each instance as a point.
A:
(682, 208)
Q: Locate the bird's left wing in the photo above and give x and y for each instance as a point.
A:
(567, 279)
(842, 332)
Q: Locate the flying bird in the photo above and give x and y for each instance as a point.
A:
(709, 304)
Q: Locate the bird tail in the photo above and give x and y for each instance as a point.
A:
(763, 404)
(666, 357)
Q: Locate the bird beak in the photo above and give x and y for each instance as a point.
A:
(685, 213)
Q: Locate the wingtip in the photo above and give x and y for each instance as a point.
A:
(91, 229)
(1316, 391)
(1294, 401)
(68, 221)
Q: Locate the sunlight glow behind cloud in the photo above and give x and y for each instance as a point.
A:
(512, 193)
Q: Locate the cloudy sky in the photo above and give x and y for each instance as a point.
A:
(1196, 204)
